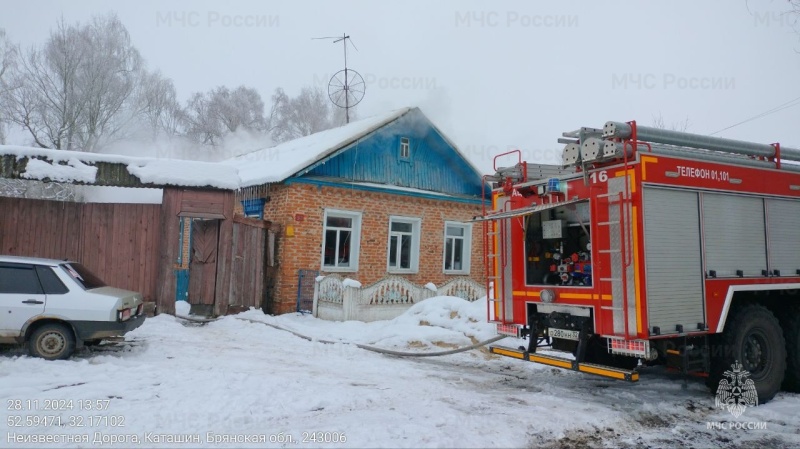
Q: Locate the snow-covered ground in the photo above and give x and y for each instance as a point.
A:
(233, 381)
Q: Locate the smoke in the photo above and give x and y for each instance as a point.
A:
(437, 106)
(182, 148)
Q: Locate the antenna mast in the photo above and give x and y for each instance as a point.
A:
(346, 87)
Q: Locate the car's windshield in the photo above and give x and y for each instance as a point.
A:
(83, 276)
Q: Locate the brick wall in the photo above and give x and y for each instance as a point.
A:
(303, 250)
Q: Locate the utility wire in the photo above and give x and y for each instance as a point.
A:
(788, 104)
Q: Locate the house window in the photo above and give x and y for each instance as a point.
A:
(340, 243)
(457, 247)
(405, 148)
(403, 251)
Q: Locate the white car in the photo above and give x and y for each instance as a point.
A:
(54, 305)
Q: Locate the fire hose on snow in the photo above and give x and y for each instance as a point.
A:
(358, 345)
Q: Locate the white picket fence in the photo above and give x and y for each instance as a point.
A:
(338, 299)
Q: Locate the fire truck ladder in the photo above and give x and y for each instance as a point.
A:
(620, 285)
(493, 273)
(498, 269)
(683, 144)
(498, 293)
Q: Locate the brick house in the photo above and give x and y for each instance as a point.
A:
(385, 196)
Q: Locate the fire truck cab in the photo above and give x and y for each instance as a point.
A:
(651, 246)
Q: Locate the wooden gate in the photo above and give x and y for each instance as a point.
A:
(203, 265)
(250, 246)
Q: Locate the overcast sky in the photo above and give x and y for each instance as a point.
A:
(493, 75)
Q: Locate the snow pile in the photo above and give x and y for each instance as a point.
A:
(75, 170)
(351, 283)
(431, 286)
(451, 313)
(441, 322)
(182, 308)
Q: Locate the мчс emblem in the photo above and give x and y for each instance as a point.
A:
(737, 392)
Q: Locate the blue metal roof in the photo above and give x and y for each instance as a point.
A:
(433, 162)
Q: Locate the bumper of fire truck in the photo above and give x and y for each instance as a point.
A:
(561, 362)
(561, 326)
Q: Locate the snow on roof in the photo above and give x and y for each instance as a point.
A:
(282, 161)
(185, 173)
(262, 166)
(74, 170)
(147, 169)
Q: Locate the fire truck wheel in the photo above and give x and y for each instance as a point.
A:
(753, 337)
(791, 331)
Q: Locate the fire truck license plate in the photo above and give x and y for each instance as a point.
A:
(564, 334)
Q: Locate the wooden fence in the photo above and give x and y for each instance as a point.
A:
(121, 243)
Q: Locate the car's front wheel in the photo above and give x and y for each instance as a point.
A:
(52, 342)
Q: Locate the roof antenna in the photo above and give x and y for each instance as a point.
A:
(346, 87)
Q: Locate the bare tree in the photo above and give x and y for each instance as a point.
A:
(682, 126)
(308, 113)
(7, 55)
(240, 108)
(46, 100)
(107, 80)
(71, 92)
(157, 105)
(7, 62)
(213, 115)
(201, 126)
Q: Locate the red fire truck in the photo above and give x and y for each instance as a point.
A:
(653, 246)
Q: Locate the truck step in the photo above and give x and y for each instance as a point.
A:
(686, 361)
(589, 368)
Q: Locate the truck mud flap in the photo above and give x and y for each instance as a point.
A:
(589, 368)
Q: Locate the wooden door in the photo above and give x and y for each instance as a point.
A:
(203, 265)
(247, 279)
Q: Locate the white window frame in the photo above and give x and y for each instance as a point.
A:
(466, 256)
(416, 227)
(405, 148)
(355, 240)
